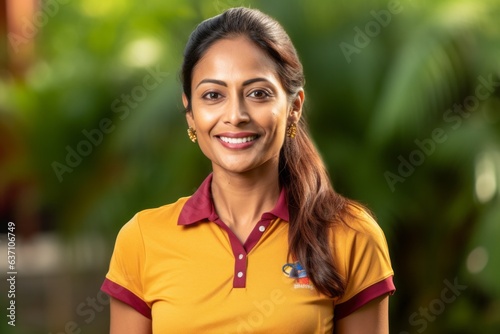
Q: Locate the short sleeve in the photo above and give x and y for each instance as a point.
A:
(363, 257)
(124, 280)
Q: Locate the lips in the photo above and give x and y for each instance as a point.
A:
(239, 140)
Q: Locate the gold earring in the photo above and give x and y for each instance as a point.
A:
(291, 130)
(192, 134)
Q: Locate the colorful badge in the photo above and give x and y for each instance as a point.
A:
(297, 272)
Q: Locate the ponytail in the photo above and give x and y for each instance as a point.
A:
(314, 206)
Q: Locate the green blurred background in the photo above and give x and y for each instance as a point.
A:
(403, 100)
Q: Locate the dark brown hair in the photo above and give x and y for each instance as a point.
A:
(313, 204)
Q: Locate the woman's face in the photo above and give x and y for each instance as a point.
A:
(239, 108)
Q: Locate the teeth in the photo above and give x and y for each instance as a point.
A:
(237, 140)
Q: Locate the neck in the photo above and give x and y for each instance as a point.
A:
(240, 199)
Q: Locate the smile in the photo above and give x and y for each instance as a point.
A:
(238, 140)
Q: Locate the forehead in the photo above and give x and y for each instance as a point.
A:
(234, 58)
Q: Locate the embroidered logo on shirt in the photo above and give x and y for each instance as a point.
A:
(297, 272)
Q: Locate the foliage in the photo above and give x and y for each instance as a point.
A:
(391, 100)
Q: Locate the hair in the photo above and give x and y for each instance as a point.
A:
(313, 204)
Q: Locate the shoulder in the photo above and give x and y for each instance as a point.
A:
(165, 212)
(360, 248)
(356, 223)
(361, 254)
(154, 219)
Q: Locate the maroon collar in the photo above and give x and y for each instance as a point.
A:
(200, 206)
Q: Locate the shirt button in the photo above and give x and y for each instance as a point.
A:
(240, 256)
(262, 228)
(240, 274)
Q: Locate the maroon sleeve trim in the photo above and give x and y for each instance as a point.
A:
(126, 296)
(376, 290)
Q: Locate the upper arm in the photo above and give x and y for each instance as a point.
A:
(124, 280)
(372, 318)
(125, 319)
(363, 259)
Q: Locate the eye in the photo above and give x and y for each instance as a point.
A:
(259, 94)
(212, 96)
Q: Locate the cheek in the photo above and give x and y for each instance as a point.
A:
(204, 121)
(279, 118)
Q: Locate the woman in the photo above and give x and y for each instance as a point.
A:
(265, 245)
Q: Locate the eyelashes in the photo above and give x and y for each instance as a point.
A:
(260, 94)
(257, 94)
(212, 96)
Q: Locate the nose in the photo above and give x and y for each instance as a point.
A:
(236, 112)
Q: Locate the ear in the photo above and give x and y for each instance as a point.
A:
(296, 107)
(189, 113)
(185, 101)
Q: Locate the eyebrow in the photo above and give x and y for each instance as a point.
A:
(222, 83)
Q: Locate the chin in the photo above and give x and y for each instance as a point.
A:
(239, 169)
(236, 167)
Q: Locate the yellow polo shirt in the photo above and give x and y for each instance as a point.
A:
(181, 266)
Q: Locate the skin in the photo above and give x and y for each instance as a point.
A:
(125, 319)
(371, 318)
(236, 92)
